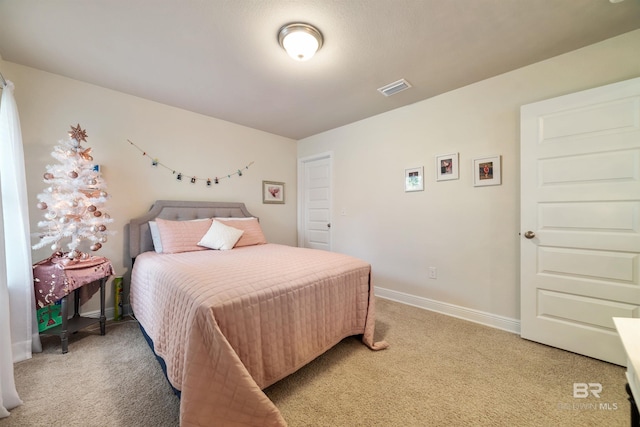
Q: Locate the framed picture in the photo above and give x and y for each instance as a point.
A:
(447, 167)
(486, 171)
(272, 192)
(413, 179)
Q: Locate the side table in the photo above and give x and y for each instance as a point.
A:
(56, 277)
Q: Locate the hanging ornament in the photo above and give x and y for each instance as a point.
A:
(72, 174)
(41, 205)
(86, 154)
(193, 179)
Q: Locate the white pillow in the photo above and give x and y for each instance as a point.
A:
(155, 236)
(220, 236)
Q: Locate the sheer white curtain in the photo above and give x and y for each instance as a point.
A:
(18, 326)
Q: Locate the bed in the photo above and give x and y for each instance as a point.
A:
(228, 323)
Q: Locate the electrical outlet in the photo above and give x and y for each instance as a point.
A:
(433, 273)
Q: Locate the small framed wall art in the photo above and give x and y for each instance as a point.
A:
(487, 171)
(414, 179)
(447, 167)
(272, 192)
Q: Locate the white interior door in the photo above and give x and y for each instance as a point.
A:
(314, 229)
(580, 218)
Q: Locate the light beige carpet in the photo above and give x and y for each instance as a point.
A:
(439, 371)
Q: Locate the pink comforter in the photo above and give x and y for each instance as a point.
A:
(230, 323)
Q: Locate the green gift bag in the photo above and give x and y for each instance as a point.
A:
(117, 300)
(49, 316)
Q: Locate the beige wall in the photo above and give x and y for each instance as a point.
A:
(470, 234)
(49, 104)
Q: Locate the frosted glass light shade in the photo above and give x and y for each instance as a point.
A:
(301, 41)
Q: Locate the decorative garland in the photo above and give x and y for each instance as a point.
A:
(179, 175)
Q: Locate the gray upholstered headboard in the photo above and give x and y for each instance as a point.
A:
(177, 210)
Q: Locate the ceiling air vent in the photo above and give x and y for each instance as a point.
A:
(395, 87)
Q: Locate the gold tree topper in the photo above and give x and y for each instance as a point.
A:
(78, 133)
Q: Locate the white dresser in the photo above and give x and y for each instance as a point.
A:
(629, 331)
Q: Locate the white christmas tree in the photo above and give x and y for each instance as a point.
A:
(73, 200)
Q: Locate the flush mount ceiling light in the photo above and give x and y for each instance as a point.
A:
(301, 41)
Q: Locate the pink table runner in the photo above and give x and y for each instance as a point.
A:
(56, 277)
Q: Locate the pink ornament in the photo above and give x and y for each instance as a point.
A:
(73, 174)
(91, 208)
(42, 205)
(48, 175)
(97, 214)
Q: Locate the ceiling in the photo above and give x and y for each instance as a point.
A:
(221, 58)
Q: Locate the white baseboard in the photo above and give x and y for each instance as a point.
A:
(109, 312)
(481, 317)
(477, 316)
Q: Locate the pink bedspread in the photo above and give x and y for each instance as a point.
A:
(230, 323)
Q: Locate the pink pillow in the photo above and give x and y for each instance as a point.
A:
(252, 231)
(182, 236)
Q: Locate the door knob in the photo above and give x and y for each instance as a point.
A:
(329, 225)
(529, 234)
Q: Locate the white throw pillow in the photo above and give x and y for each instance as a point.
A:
(220, 236)
(155, 236)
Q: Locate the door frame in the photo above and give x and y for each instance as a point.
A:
(302, 161)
